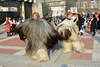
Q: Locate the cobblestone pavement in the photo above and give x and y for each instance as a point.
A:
(12, 53)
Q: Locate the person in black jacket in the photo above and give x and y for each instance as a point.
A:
(50, 18)
(93, 24)
(98, 20)
(80, 22)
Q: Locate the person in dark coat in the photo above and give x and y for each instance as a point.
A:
(80, 22)
(93, 24)
(98, 22)
(50, 18)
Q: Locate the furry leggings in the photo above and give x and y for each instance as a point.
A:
(79, 47)
(41, 55)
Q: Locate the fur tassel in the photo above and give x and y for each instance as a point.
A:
(41, 55)
(79, 47)
(67, 47)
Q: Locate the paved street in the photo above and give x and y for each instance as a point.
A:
(12, 53)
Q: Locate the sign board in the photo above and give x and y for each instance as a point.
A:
(4, 9)
(8, 9)
(74, 9)
(12, 9)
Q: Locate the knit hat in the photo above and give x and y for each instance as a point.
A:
(69, 12)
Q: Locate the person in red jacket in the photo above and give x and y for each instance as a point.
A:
(13, 21)
(20, 21)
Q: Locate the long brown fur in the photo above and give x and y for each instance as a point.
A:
(40, 35)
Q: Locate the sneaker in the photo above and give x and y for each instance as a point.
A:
(81, 33)
(93, 35)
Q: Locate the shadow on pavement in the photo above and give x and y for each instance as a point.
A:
(55, 48)
(88, 32)
(2, 32)
(97, 38)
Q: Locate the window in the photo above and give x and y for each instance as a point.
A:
(62, 2)
(58, 2)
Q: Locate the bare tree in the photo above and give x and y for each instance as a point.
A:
(69, 4)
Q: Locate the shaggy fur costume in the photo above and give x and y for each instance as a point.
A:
(40, 35)
(67, 27)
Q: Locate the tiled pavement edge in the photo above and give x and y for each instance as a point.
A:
(2, 32)
(12, 52)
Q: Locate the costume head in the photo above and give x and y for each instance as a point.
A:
(64, 31)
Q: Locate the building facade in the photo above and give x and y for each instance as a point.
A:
(88, 4)
(19, 8)
(57, 6)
